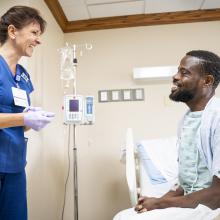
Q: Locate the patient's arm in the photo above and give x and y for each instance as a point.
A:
(174, 192)
(209, 197)
(150, 203)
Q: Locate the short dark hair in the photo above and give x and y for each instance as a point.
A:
(210, 63)
(19, 16)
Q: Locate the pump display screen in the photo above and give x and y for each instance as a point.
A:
(74, 105)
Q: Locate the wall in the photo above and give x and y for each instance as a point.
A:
(46, 166)
(103, 191)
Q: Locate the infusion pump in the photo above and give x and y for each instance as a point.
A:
(79, 109)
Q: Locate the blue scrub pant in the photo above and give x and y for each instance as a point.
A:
(13, 199)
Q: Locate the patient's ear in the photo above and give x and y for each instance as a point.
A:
(208, 80)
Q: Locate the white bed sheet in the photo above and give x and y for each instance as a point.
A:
(201, 212)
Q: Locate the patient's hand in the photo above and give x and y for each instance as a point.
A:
(146, 204)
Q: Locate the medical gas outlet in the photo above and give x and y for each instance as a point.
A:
(79, 109)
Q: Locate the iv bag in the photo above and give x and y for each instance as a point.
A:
(67, 68)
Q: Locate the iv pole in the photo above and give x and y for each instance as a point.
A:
(75, 175)
(75, 167)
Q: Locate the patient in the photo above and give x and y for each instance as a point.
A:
(198, 137)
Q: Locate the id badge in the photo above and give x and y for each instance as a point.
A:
(20, 97)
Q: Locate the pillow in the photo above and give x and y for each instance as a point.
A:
(154, 174)
(158, 165)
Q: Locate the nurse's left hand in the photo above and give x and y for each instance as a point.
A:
(38, 119)
(146, 204)
(30, 108)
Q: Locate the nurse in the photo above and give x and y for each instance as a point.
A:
(20, 31)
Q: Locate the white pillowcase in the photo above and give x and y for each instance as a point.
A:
(163, 154)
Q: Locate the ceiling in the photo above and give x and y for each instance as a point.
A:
(84, 15)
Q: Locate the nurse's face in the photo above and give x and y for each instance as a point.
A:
(26, 39)
(188, 81)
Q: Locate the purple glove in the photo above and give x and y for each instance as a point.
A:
(37, 119)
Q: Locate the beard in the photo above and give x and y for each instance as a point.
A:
(182, 96)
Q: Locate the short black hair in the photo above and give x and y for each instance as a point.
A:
(19, 16)
(210, 63)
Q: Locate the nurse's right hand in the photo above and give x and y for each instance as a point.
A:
(37, 119)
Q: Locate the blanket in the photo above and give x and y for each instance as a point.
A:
(201, 212)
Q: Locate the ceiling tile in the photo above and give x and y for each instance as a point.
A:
(159, 6)
(74, 9)
(116, 9)
(86, 9)
(208, 4)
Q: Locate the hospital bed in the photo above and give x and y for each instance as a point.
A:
(151, 166)
(152, 170)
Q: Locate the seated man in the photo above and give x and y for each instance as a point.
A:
(199, 141)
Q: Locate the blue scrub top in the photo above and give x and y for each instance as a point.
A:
(12, 141)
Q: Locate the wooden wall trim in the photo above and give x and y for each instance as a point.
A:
(130, 20)
(57, 12)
